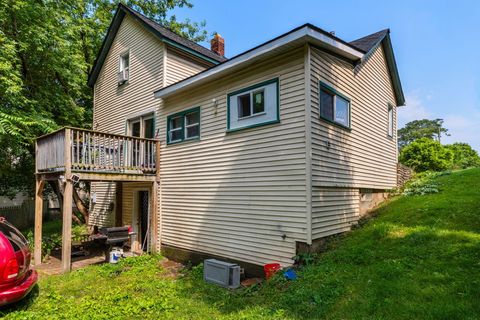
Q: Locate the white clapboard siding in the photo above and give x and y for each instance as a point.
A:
(238, 194)
(365, 157)
(334, 210)
(114, 104)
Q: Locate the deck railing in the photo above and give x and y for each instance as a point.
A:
(92, 151)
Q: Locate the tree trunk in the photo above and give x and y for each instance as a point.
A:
(80, 206)
(55, 185)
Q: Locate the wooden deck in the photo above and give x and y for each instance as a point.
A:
(94, 155)
(71, 155)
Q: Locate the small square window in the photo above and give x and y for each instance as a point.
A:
(254, 106)
(184, 125)
(244, 107)
(334, 107)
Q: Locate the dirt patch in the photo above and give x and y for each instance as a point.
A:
(170, 269)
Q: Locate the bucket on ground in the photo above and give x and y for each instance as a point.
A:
(270, 269)
(115, 255)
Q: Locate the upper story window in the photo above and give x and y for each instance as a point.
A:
(334, 107)
(390, 120)
(183, 126)
(253, 106)
(124, 68)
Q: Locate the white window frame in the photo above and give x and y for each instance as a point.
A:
(390, 124)
(271, 106)
(121, 65)
(142, 120)
(251, 95)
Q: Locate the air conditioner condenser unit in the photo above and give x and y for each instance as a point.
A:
(221, 273)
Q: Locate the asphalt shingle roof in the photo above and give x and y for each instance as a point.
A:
(164, 32)
(368, 42)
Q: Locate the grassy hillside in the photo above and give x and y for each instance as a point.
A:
(418, 258)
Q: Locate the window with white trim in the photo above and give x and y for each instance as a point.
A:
(183, 126)
(142, 127)
(390, 120)
(253, 106)
(334, 107)
(124, 68)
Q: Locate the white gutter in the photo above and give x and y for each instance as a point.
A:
(306, 31)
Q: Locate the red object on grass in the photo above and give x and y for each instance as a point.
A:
(16, 277)
(270, 269)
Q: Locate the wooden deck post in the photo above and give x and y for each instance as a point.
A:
(156, 216)
(67, 227)
(67, 207)
(37, 253)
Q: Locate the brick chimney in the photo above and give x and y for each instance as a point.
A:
(217, 45)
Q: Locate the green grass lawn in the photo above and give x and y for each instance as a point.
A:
(419, 258)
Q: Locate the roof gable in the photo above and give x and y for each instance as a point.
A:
(164, 34)
(369, 44)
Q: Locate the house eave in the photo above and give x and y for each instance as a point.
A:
(110, 36)
(298, 36)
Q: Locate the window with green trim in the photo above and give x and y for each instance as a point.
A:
(334, 107)
(183, 126)
(253, 106)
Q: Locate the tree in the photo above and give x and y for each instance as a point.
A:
(417, 129)
(47, 49)
(463, 156)
(426, 154)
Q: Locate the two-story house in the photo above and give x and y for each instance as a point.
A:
(259, 156)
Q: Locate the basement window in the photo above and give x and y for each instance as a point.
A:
(253, 106)
(183, 126)
(334, 107)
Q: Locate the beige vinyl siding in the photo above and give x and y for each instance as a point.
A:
(129, 189)
(334, 210)
(236, 194)
(180, 65)
(114, 104)
(364, 157)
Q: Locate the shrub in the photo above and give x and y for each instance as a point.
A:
(421, 184)
(426, 154)
(463, 156)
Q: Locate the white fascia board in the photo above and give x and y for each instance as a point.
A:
(334, 44)
(305, 32)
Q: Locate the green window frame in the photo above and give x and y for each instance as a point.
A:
(335, 95)
(183, 126)
(258, 108)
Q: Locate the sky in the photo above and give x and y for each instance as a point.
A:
(436, 45)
